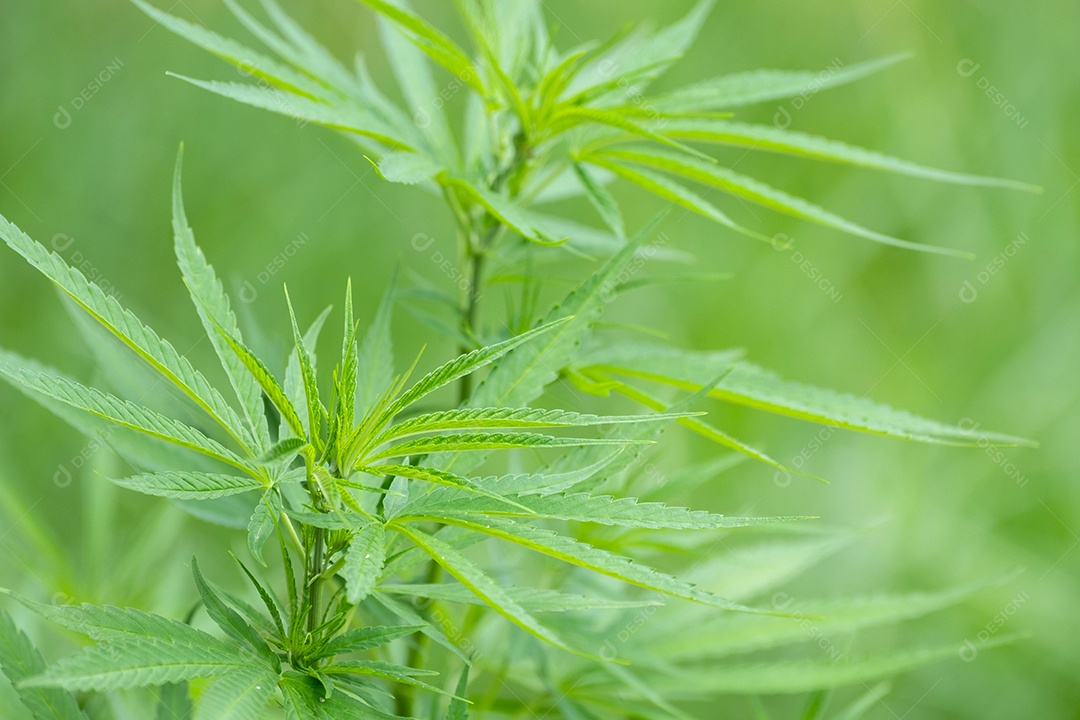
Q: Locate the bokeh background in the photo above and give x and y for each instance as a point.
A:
(991, 88)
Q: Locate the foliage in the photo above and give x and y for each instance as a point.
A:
(370, 485)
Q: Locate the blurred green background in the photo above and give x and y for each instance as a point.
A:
(89, 125)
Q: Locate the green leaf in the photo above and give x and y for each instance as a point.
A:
(459, 706)
(214, 310)
(247, 60)
(858, 709)
(287, 449)
(301, 384)
(121, 412)
(504, 209)
(378, 669)
(306, 699)
(692, 369)
(472, 577)
(708, 431)
(638, 59)
(110, 624)
(790, 142)
(753, 386)
(485, 441)
(347, 119)
(305, 362)
(139, 663)
(800, 676)
(407, 168)
(362, 639)
(230, 621)
(19, 660)
(190, 485)
(479, 418)
(174, 702)
(433, 42)
(364, 561)
(747, 88)
(758, 192)
(376, 355)
(732, 635)
(261, 525)
(241, 694)
(465, 365)
(429, 475)
(406, 613)
(580, 507)
(104, 308)
(601, 199)
(667, 189)
(266, 380)
(578, 553)
(522, 376)
(532, 599)
(296, 47)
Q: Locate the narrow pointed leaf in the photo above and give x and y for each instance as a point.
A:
(190, 485)
(364, 561)
(215, 310)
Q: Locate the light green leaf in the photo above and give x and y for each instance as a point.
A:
(19, 660)
(783, 678)
(708, 431)
(230, 621)
(104, 308)
(472, 577)
(429, 475)
(241, 694)
(485, 441)
(214, 309)
(480, 418)
(580, 507)
(532, 599)
(376, 355)
(174, 702)
(667, 189)
(298, 382)
(692, 369)
(466, 364)
(753, 386)
(638, 59)
(435, 44)
(269, 385)
(261, 525)
(345, 118)
(190, 485)
(247, 60)
(364, 561)
(305, 362)
(504, 209)
(601, 199)
(459, 706)
(757, 192)
(740, 634)
(362, 639)
(573, 116)
(121, 412)
(578, 553)
(407, 168)
(790, 142)
(747, 88)
(141, 662)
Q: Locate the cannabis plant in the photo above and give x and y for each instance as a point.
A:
(445, 543)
